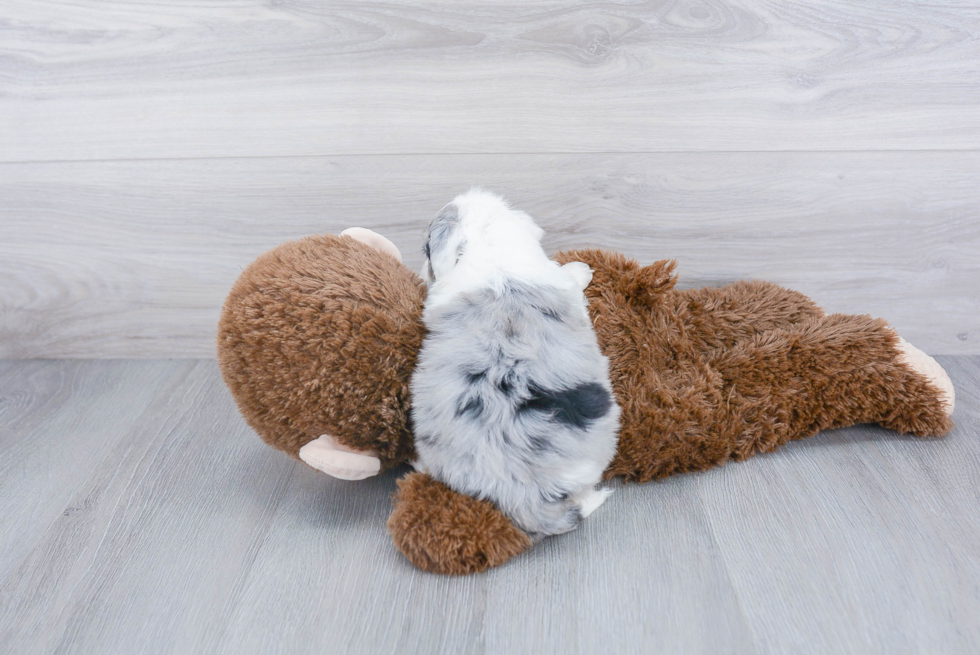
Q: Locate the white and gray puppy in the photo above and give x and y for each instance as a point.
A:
(511, 400)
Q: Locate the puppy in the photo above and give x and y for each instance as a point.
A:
(511, 400)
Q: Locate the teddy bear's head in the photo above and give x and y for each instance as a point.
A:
(317, 341)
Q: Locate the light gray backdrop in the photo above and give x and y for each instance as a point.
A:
(148, 153)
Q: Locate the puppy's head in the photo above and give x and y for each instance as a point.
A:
(477, 226)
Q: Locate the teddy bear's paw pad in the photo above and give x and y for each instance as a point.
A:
(930, 369)
(373, 239)
(326, 455)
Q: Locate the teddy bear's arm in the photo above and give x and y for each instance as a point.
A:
(441, 531)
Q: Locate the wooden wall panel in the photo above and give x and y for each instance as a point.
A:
(133, 258)
(112, 79)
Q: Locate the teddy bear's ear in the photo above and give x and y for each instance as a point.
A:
(645, 284)
(373, 239)
(327, 455)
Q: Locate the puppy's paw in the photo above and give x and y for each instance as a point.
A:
(591, 501)
(580, 272)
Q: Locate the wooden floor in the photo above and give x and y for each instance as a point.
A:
(138, 514)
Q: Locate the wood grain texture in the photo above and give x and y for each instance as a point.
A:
(119, 79)
(133, 259)
(155, 517)
(57, 432)
(188, 535)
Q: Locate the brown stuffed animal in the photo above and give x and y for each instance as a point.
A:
(318, 339)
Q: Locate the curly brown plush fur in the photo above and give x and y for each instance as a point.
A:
(320, 336)
(442, 531)
(708, 375)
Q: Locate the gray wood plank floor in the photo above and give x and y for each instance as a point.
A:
(138, 514)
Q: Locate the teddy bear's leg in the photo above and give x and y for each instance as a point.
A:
(722, 317)
(441, 531)
(825, 373)
(929, 368)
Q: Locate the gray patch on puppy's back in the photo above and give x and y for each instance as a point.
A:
(576, 407)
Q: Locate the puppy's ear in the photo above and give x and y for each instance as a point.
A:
(443, 241)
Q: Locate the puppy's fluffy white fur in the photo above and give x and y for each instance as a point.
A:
(511, 399)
